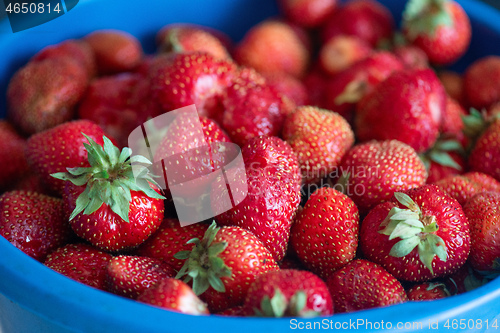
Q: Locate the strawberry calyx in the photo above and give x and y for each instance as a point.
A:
(109, 179)
(353, 92)
(425, 17)
(278, 306)
(203, 265)
(439, 154)
(476, 122)
(434, 285)
(415, 230)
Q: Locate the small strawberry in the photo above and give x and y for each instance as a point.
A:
(482, 82)
(174, 295)
(319, 138)
(130, 276)
(364, 285)
(308, 13)
(420, 235)
(288, 293)
(464, 187)
(82, 263)
(273, 46)
(427, 291)
(221, 36)
(483, 213)
(12, 147)
(115, 50)
(485, 155)
(273, 195)
(325, 235)
(223, 264)
(371, 172)
(33, 222)
(341, 52)
(408, 107)
(439, 27)
(111, 206)
(61, 147)
(365, 19)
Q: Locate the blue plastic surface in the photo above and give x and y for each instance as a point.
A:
(34, 299)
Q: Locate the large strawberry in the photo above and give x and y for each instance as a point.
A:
(408, 107)
(439, 27)
(223, 264)
(288, 292)
(111, 205)
(12, 147)
(273, 179)
(319, 138)
(464, 187)
(325, 234)
(419, 235)
(363, 285)
(33, 222)
(485, 155)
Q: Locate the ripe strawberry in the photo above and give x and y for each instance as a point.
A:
(289, 87)
(482, 82)
(419, 235)
(485, 155)
(371, 172)
(364, 285)
(174, 295)
(452, 125)
(235, 311)
(12, 147)
(80, 262)
(253, 108)
(179, 80)
(273, 46)
(223, 264)
(221, 36)
(325, 235)
(439, 27)
(61, 147)
(427, 291)
(319, 138)
(29, 182)
(33, 222)
(341, 52)
(308, 13)
(365, 19)
(112, 207)
(315, 82)
(411, 56)
(288, 293)
(180, 38)
(115, 51)
(408, 107)
(464, 187)
(453, 83)
(483, 213)
(130, 276)
(273, 179)
(43, 94)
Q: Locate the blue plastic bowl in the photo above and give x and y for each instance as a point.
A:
(35, 299)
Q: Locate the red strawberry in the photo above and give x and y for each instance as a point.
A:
(482, 82)
(30, 182)
(315, 82)
(12, 147)
(130, 276)
(308, 13)
(419, 235)
(43, 94)
(273, 46)
(452, 125)
(365, 19)
(483, 213)
(174, 295)
(364, 285)
(61, 147)
(319, 138)
(439, 27)
(223, 264)
(453, 83)
(288, 293)
(221, 36)
(273, 179)
(412, 56)
(110, 206)
(115, 51)
(80, 262)
(463, 187)
(485, 155)
(341, 52)
(289, 87)
(371, 172)
(408, 107)
(325, 235)
(235, 311)
(427, 291)
(33, 222)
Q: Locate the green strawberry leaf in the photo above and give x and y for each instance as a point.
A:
(444, 159)
(404, 247)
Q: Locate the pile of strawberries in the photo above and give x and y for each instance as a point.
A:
(373, 178)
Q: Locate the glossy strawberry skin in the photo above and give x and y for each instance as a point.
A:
(325, 234)
(363, 285)
(453, 229)
(80, 262)
(485, 156)
(12, 146)
(33, 222)
(464, 187)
